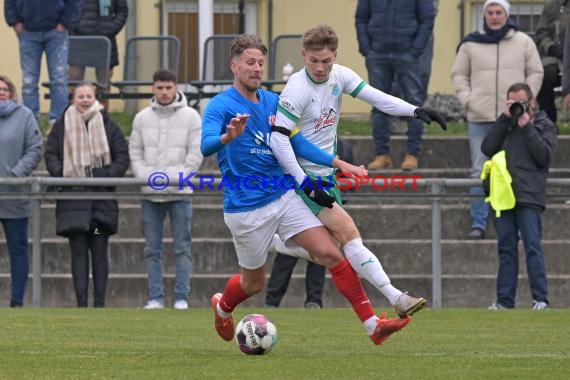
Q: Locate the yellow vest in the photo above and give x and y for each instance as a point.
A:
(501, 195)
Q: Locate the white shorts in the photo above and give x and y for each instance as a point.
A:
(253, 230)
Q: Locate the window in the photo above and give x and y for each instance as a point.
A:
(525, 15)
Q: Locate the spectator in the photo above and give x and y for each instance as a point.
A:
(42, 26)
(21, 151)
(566, 71)
(487, 62)
(85, 142)
(529, 141)
(166, 139)
(549, 39)
(99, 18)
(425, 72)
(392, 37)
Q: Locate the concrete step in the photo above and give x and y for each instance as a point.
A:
(440, 151)
(437, 152)
(217, 256)
(131, 292)
(375, 220)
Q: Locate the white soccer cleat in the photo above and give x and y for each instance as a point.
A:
(407, 305)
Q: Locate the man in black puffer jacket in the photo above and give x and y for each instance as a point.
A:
(392, 35)
(529, 141)
(99, 18)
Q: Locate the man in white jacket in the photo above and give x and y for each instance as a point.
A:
(165, 142)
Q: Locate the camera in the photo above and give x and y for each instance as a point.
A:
(518, 108)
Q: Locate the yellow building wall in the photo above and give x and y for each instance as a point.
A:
(10, 62)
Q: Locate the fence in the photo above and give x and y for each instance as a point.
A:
(38, 192)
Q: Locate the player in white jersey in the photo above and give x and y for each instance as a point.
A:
(310, 104)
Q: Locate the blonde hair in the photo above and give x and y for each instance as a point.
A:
(320, 37)
(246, 41)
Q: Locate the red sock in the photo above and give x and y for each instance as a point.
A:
(349, 285)
(233, 294)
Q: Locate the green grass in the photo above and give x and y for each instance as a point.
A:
(324, 344)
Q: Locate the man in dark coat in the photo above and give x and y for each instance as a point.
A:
(529, 141)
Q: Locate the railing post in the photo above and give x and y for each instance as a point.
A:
(436, 262)
(36, 244)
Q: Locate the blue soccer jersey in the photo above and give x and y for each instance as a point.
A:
(252, 176)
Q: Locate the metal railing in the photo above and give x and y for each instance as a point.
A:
(39, 191)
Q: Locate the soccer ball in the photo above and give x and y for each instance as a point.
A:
(256, 335)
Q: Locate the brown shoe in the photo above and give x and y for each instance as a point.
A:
(410, 162)
(382, 161)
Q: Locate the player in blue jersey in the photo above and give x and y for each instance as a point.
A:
(237, 125)
(310, 104)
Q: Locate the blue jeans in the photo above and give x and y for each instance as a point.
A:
(153, 214)
(529, 222)
(479, 208)
(55, 45)
(16, 231)
(381, 73)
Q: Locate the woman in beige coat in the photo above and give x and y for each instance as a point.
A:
(487, 63)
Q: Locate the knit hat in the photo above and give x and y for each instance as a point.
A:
(503, 3)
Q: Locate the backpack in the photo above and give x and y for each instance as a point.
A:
(500, 194)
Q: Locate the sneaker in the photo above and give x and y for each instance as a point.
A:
(224, 326)
(386, 327)
(496, 306)
(476, 234)
(410, 162)
(154, 304)
(539, 305)
(312, 305)
(181, 305)
(382, 161)
(408, 305)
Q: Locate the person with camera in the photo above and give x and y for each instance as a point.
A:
(487, 62)
(529, 141)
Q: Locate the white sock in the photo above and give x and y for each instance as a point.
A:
(222, 313)
(367, 265)
(370, 325)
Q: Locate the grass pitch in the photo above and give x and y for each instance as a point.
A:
(313, 344)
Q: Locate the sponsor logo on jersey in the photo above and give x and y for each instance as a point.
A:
(327, 119)
(335, 90)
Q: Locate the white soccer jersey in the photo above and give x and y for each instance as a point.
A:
(315, 109)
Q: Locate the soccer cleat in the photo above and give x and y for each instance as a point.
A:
(387, 326)
(408, 305)
(224, 326)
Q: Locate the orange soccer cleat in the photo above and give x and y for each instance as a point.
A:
(224, 326)
(387, 326)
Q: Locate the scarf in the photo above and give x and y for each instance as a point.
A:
(104, 7)
(84, 148)
(490, 36)
(7, 107)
